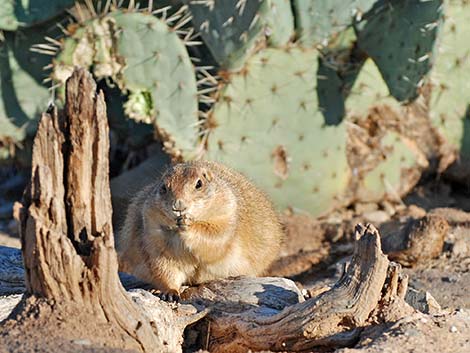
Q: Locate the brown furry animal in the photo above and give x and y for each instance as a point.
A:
(201, 221)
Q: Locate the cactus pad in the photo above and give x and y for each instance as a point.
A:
(149, 62)
(396, 174)
(279, 23)
(229, 28)
(450, 99)
(385, 162)
(318, 20)
(15, 14)
(269, 127)
(400, 36)
(23, 96)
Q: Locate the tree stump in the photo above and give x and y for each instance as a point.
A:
(71, 266)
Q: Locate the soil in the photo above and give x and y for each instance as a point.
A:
(449, 333)
(47, 321)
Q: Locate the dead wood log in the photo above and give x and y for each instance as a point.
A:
(67, 238)
(334, 318)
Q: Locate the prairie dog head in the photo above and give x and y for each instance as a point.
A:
(188, 190)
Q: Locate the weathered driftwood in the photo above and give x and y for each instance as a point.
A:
(66, 231)
(334, 318)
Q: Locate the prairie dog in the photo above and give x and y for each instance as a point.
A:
(199, 222)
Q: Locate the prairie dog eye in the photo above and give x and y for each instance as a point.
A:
(163, 190)
(199, 184)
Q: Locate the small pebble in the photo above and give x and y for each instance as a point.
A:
(82, 342)
(412, 332)
(453, 329)
(460, 248)
(449, 279)
(376, 217)
(361, 208)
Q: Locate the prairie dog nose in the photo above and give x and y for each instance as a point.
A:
(179, 206)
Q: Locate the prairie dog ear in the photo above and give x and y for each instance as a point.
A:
(207, 174)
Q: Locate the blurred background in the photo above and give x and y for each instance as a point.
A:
(340, 110)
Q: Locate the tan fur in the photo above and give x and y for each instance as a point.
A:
(229, 228)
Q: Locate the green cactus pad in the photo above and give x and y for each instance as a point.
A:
(450, 99)
(269, 127)
(390, 164)
(23, 97)
(157, 62)
(148, 62)
(368, 91)
(400, 36)
(318, 20)
(396, 174)
(229, 28)
(338, 68)
(279, 23)
(15, 14)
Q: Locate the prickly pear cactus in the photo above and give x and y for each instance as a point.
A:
(23, 96)
(149, 62)
(266, 123)
(338, 68)
(229, 28)
(15, 14)
(279, 21)
(396, 174)
(385, 163)
(400, 36)
(369, 90)
(318, 20)
(450, 99)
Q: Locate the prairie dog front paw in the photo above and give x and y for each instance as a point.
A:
(170, 295)
(184, 222)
